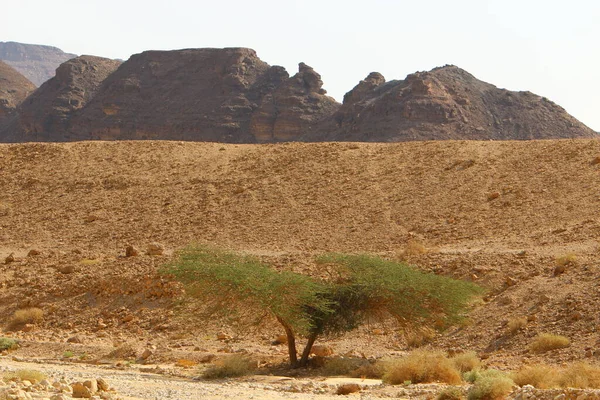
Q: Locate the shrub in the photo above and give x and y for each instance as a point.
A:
(413, 248)
(31, 375)
(565, 260)
(546, 342)
(7, 343)
(451, 393)
(580, 375)
(516, 324)
(31, 315)
(539, 376)
(68, 354)
(467, 361)
(422, 367)
(232, 366)
(419, 338)
(477, 374)
(490, 388)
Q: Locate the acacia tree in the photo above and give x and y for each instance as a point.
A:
(359, 286)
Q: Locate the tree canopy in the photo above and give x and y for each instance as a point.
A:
(357, 287)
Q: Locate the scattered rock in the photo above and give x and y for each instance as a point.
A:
(131, 251)
(155, 249)
(75, 339)
(80, 391)
(9, 259)
(28, 327)
(147, 353)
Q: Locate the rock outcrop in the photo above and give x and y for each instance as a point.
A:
(14, 88)
(231, 95)
(447, 103)
(36, 62)
(45, 115)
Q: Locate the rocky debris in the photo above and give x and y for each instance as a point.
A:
(36, 62)
(46, 113)
(447, 103)
(14, 88)
(528, 392)
(57, 390)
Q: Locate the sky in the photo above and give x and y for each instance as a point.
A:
(551, 48)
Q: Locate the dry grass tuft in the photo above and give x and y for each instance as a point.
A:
(565, 260)
(185, 363)
(467, 361)
(539, 376)
(580, 375)
(31, 375)
(516, 324)
(348, 388)
(413, 248)
(419, 338)
(422, 367)
(451, 393)
(491, 388)
(545, 342)
(232, 366)
(24, 316)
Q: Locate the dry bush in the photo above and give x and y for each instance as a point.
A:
(422, 367)
(31, 375)
(24, 316)
(539, 376)
(580, 375)
(467, 361)
(491, 388)
(565, 260)
(348, 388)
(370, 370)
(546, 342)
(413, 248)
(419, 338)
(516, 324)
(451, 393)
(477, 374)
(185, 363)
(123, 352)
(232, 366)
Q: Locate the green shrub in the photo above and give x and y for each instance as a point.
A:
(8, 343)
(477, 374)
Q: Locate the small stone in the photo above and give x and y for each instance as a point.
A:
(155, 249)
(80, 391)
(207, 358)
(493, 196)
(348, 388)
(9, 259)
(102, 384)
(146, 354)
(75, 339)
(131, 251)
(223, 336)
(28, 327)
(510, 281)
(33, 253)
(66, 269)
(377, 331)
(91, 384)
(559, 270)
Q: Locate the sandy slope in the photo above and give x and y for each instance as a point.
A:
(494, 212)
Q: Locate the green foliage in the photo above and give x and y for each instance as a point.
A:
(7, 343)
(477, 374)
(358, 287)
(374, 286)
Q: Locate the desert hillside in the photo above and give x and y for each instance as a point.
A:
(497, 213)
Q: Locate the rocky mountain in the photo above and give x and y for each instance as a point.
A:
(14, 88)
(36, 62)
(44, 116)
(447, 103)
(230, 95)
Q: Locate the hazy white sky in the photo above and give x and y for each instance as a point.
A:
(549, 47)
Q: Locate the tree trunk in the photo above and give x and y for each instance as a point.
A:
(307, 349)
(291, 342)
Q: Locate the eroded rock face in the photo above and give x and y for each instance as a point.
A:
(293, 108)
(46, 114)
(447, 103)
(14, 88)
(36, 62)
